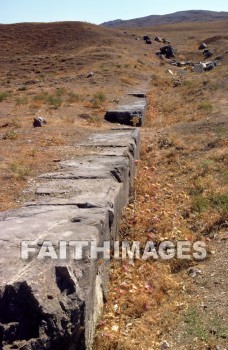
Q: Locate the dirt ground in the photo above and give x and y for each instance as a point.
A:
(181, 187)
(44, 71)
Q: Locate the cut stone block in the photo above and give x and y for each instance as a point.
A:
(55, 303)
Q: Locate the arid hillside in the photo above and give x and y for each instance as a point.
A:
(71, 73)
(68, 73)
(171, 18)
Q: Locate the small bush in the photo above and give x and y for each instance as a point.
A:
(60, 91)
(94, 120)
(98, 99)
(219, 201)
(73, 97)
(10, 135)
(21, 101)
(41, 97)
(19, 170)
(15, 123)
(100, 96)
(54, 101)
(205, 166)
(200, 203)
(205, 107)
(216, 201)
(4, 96)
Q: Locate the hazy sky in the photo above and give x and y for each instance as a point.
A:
(96, 11)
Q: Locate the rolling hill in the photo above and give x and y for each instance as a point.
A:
(180, 16)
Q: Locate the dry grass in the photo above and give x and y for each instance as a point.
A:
(179, 194)
(182, 179)
(49, 78)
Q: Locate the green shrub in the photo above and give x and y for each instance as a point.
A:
(10, 135)
(21, 100)
(205, 107)
(42, 97)
(217, 201)
(98, 99)
(4, 96)
(73, 97)
(19, 170)
(54, 101)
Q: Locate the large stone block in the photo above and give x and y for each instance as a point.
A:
(129, 114)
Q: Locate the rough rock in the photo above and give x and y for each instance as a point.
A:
(164, 345)
(165, 41)
(167, 51)
(146, 37)
(207, 53)
(202, 46)
(39, 121)
(158, 39)
(90, 74)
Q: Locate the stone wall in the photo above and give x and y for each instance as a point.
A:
(55, 303)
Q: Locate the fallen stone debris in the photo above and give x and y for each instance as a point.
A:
(207, 53)
(167, 51)
(205, 66)
(165, 41)
(90, 74)
(39, 122)
(182, 63)
(146, 37)
(164, 345)
(202, 46)
(158, 39)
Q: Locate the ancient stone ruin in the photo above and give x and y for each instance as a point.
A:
(54, 303)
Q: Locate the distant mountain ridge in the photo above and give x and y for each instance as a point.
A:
(180, 16)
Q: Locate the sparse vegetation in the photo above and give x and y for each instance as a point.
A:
(197, 327)
(10, 135)
(206, 107)
(19, 170)
(21, 100)
(73, 97)
(92, 120)
(54, 101)
(98, 99)
(4, 95)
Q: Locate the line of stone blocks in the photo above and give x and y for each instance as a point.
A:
(55, 303)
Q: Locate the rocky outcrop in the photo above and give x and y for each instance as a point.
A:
(51, 299)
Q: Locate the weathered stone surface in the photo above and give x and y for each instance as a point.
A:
(53, 304)
(119, 138)
(39, 121)
(132, 113)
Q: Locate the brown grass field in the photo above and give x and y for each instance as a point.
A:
(181, 186)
